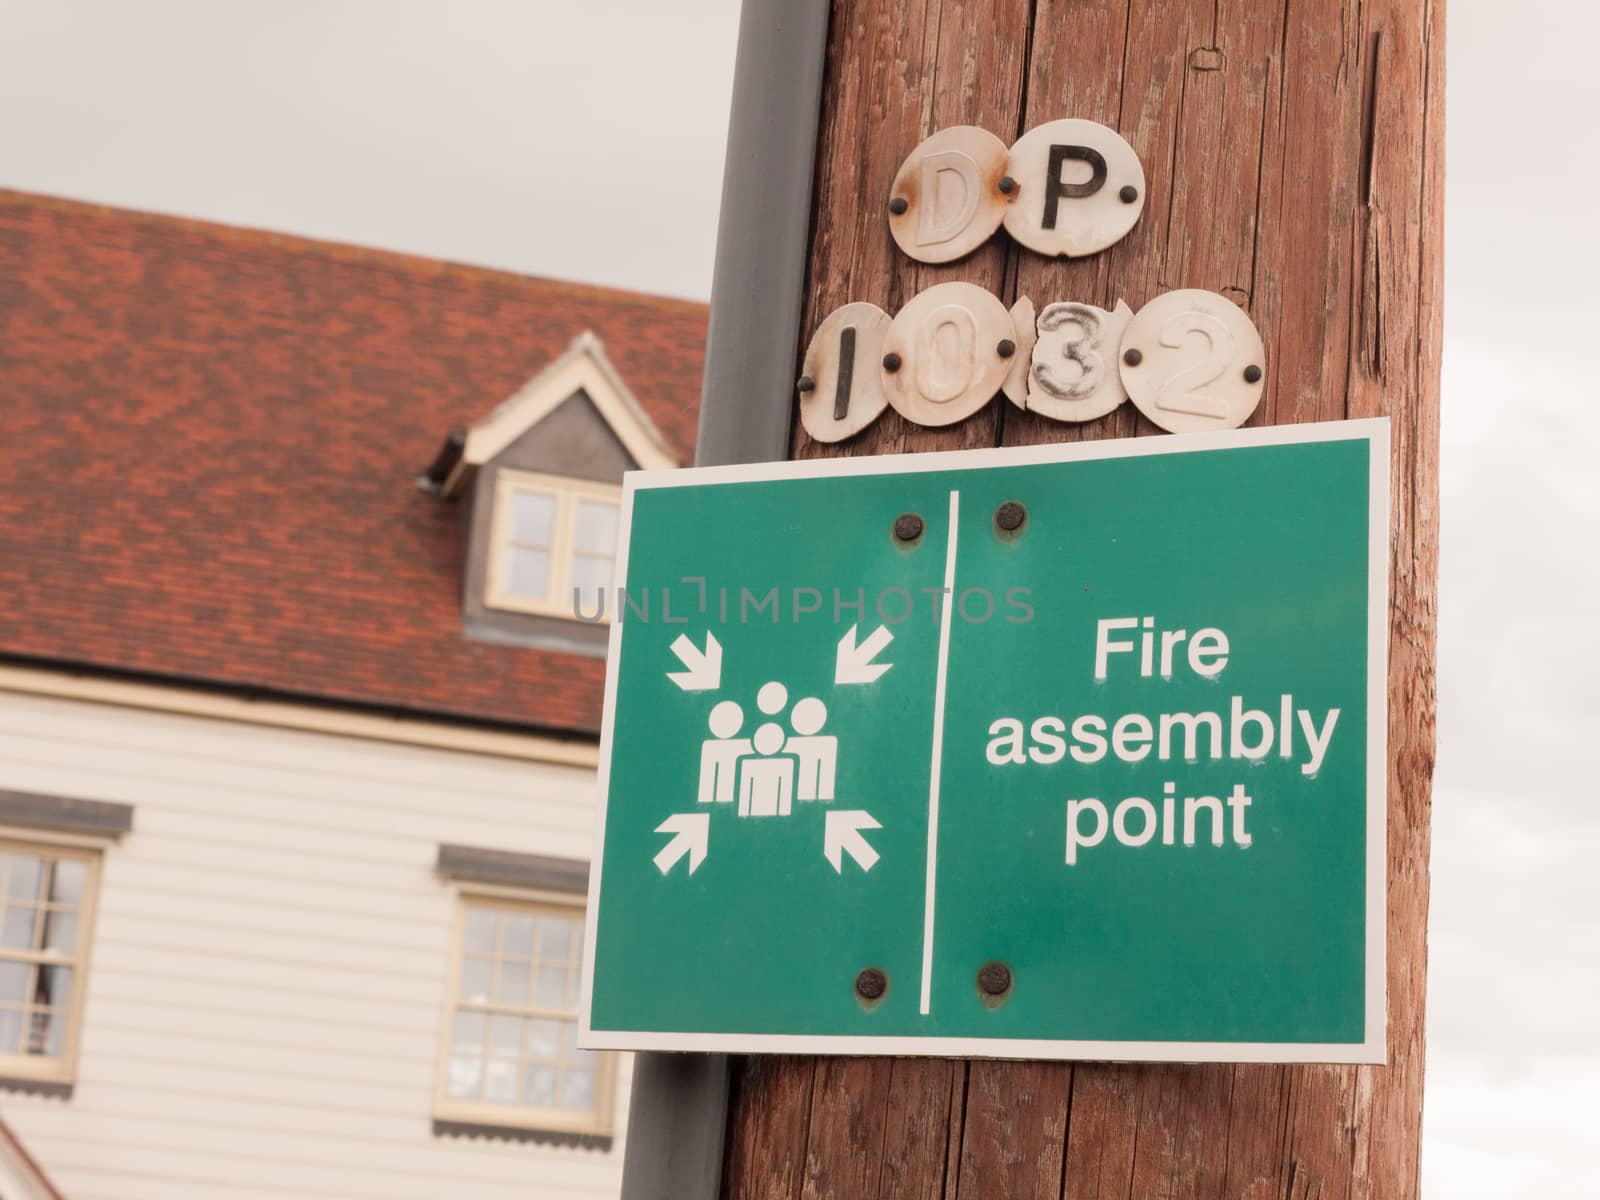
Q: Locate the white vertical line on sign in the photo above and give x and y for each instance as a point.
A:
(938, 751)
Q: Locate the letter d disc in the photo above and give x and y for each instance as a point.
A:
(946, 199)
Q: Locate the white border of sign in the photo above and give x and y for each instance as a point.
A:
(1375, 431)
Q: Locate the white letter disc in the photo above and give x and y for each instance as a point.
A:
(1074, 370)
(942, 359)
(1197, 362)
(845, 393)
(1027, 333)
(947, 193)
(1080, 188)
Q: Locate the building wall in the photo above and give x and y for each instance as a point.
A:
(270, 959)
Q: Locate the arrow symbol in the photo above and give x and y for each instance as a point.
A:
(705, 667)
(854, 663)
(690, 833)
(841, 835)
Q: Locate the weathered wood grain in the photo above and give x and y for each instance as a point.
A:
(1294, 163)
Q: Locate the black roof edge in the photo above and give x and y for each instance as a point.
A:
(444, 462)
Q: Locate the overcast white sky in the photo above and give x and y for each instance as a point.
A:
(584, 140)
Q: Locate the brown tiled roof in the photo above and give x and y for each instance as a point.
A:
(208, 444)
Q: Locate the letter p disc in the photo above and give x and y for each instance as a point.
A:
(1080, 188)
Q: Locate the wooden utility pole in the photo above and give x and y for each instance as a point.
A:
(1293, 156)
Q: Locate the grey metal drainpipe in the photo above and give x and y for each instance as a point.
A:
(678, 1113)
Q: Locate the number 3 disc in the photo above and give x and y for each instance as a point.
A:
(1192, 360)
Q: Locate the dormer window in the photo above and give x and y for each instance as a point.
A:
(542, 475)
(553, 544)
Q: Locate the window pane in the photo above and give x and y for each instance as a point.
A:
(539, 1087)
(591, 574)
(466, 1059)
(15, 977)
(466, 1076)
(23, 882)
(544, 1038)
(519, 936)
(505, 1036)
(16, 931)
(513, 987)
(577, 1090)
(500, 1081)
(594, 527)
(55, 986)
(49, 1031)
(569, 1047)
(555, 937)
(551, 988)
(527, 572)
(533, 515)
(60, 932)
(478, 936)
(10, 1031)
(469, 1032)
(66, 881)
(475, 979)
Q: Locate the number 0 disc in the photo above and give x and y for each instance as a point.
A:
(1192, 360)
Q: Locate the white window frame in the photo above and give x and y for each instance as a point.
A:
(62, 1069)
(596, 1123)
(558, 600)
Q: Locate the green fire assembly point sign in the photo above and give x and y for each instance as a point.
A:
(1060, 752)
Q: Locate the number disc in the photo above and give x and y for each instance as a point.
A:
(1073, 374)
(843, 367)
(1186, 360)
(946, 354)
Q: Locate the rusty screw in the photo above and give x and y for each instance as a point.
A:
(1252, 374)
(898, 205)
(1010, 516)
(1129, 194)
(1132, 357)
(1005, 348)
(994, 979)
(908, 527)
(872, 983)
(806, 384)
(1007, 184)
(891, 362)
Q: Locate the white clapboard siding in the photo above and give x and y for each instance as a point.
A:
(272, 948)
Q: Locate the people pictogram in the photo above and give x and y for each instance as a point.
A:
(720, 754)
(768, 771)
(766, 778)
(760, 767)
(817, 753)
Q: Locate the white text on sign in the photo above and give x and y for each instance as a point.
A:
(1235, 731)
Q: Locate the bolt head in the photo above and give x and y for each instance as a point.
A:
(1132, 357)
(908, 527)
(1007, 184)
(871, 984)
(806, 384)
(898, 205)
(1128, 194)
(1010, 516)
(891, 362)
(1252, 374)
(1005, 348)
(994, 979)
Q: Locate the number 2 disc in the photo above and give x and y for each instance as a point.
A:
(1192, 360)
